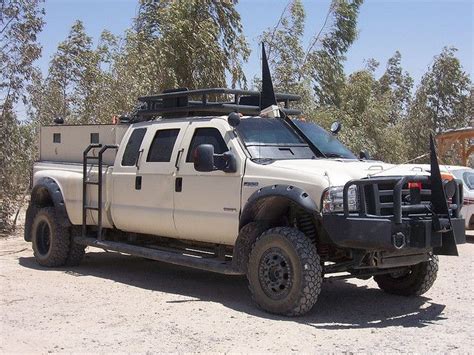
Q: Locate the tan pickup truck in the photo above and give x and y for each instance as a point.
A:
(207, 179)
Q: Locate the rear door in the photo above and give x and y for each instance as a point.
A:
(125, 209)
(157, 170)
(143, 179)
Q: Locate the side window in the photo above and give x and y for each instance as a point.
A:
(162, 146)
(206, 136)
(132, 149)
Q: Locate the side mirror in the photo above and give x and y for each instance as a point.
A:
(336, 127)
(203, 158)
(225, 162)
(364, 155)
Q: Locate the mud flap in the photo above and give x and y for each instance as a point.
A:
(440, 207)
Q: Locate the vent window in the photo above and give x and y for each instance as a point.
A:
(56, 137)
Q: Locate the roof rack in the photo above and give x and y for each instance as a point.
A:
(213, 101)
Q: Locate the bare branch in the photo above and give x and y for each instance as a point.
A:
(276, 27)
(317, 36)
(5, 27)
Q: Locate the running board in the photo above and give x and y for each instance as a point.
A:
(171, 257)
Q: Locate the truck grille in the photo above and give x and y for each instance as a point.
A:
(379, 197)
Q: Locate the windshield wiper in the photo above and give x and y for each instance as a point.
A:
(334, 155)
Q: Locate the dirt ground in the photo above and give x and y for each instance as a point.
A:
(118, 303)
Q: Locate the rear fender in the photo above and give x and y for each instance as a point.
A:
(47, 192)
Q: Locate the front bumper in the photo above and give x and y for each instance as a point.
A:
(396, 225)
(383, 234)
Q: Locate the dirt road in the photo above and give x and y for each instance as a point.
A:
(117, 303)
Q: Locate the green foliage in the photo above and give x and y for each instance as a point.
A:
(199, 40)
(285, 49)
(200, 43)
(190, 44)
(76, 85)
(20, 22)
(397, 85)
(326, 65)
(441, 102)
(317, 73)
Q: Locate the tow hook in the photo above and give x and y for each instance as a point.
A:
(399, 240)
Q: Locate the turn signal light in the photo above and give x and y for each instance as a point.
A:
(447, 176)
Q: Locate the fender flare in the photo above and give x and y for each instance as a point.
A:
(271, 196)
(47, 192)
(263, 207)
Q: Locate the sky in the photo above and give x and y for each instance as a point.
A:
(419, 29)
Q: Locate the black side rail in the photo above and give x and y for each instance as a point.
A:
(85, 182)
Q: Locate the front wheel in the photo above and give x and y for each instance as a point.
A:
(417, 280)
(284, 272)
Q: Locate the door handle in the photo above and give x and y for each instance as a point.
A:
(178, 157)
(178, 184)
(138, 182)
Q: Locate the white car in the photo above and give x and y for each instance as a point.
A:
(466, 175)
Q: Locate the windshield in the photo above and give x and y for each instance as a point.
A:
(272, 139)
(324, 141)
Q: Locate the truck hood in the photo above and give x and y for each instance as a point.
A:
(340, 171)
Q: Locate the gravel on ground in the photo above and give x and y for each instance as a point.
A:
(119, 303)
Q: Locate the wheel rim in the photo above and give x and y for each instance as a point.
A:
(275, 273)
(43, 237)
(399, 275)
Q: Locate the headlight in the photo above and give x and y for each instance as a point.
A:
(332, 200)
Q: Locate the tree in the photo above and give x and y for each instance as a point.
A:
(80, 85)
(285, 48)
(20, 22)
(397, 84)
(326, 64)
(199, 40)
(317, 73)
(442, 101)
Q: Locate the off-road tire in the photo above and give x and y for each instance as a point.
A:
(418, 281)
(50, 238)
(247, 237)
(303, 267)
(31, 212)
(76, 251)
(76, 254)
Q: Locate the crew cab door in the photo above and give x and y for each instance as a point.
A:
(144, 179)
(207, 204)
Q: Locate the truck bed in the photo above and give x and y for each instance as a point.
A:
(69, 178)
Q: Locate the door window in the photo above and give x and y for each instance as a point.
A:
(162, 146)
(132, 149)
(206, 136)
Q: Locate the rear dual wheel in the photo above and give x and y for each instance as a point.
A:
(52, 244)
(284, 272)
